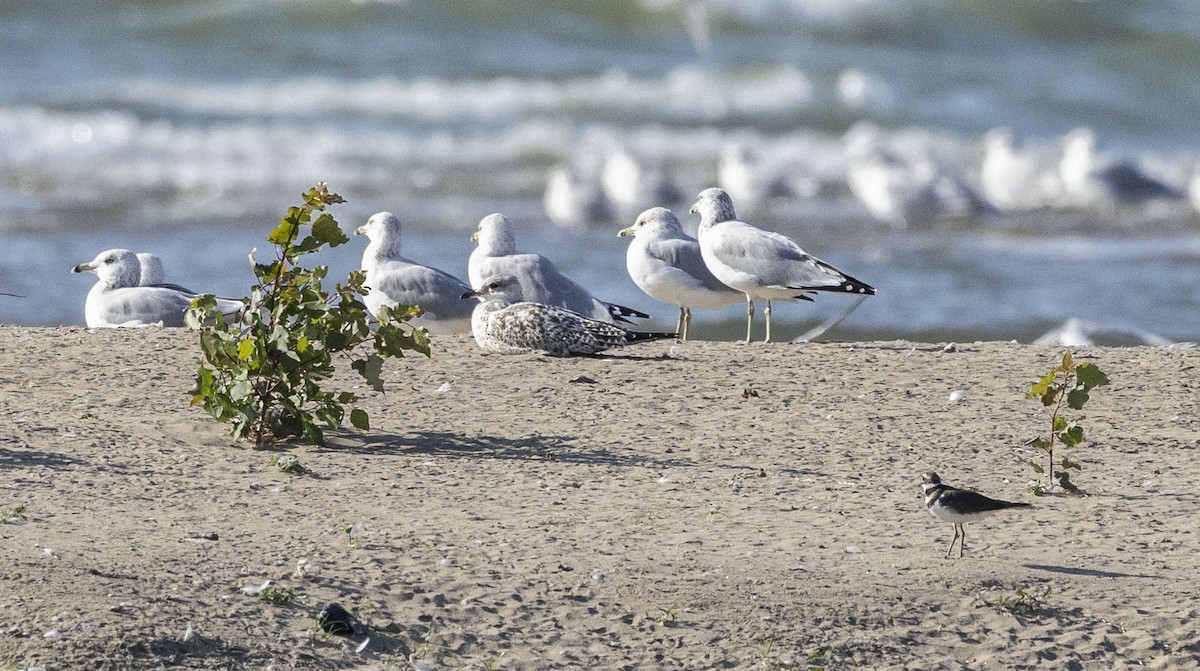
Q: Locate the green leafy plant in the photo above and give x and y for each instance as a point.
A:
(262, 371)
(1070, 384)
(14, 515)
(287, 463)
(279, 596)
(1024, 602)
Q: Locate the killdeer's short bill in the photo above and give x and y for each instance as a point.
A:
(959, 506)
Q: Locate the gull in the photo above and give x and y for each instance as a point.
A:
(958, 506)
(573, 201)
(1091, 177)
(630, 184)
(504, 324)
(541, 282)
(1016, 179)
(902, 192)
(117, 300)
(151, 269)
(762, 264)
(748, 177)
(393, 279)
(666, 263)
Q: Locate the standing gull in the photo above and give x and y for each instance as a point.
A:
(541, 282)
(762, 264)
(393, 279)
(666, 263)
(117, 300)
(504, 324)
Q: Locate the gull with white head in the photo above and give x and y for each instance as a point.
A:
(666, 263)
(393, 279)
(762, 264)
(540, 280)
(117, 299)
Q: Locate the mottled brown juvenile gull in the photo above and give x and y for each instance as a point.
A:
(117, 300)
(504, 324)
(762, 264)
(666, 263)
(393, 279)
(541, 282)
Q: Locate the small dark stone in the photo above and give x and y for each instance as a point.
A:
(336, 620)
(584, 380)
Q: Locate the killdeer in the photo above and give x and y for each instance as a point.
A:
(958, 506)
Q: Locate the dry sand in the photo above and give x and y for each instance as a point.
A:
(726, 506)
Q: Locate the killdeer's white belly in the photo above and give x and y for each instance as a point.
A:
(948, 514)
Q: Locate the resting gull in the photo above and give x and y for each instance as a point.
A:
(762, 264)
(117, 300)
(504, 324)
(541, 282)
(393, 279)
(1090, 177)
(666, 263)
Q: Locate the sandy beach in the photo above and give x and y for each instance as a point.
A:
(704, 505)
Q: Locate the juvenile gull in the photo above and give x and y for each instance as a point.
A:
(666, 263)
(393, 279)
(762, 264)
(117, 300)
(541, 282)
(504, 324)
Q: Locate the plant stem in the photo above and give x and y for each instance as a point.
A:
(1062, 395)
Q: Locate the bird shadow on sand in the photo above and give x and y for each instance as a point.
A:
(552, 448)
(1091, 573)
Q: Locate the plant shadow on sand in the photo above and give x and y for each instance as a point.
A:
(33, 458)
(527, 448)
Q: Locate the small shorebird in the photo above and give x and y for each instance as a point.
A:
(958, 506)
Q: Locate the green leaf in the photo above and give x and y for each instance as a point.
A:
(1058, 423)
(246, 349)
(1090, 377)
(1077, 397)
(286, 231)
(1040, 444)
(1037, 468)
(358, 417)
(1072, 436)
(1067, 463)
(240, 390)
(1068, 362)
(326, 229)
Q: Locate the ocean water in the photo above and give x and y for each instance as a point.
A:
(186, 128)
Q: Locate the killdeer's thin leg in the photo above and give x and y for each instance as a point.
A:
(951, 548)
(767, 312)
(962, 544)
(681, 325)
(687, 322)
(749, 316)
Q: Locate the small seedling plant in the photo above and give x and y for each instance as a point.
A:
(1070, 384)
(263, 369)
